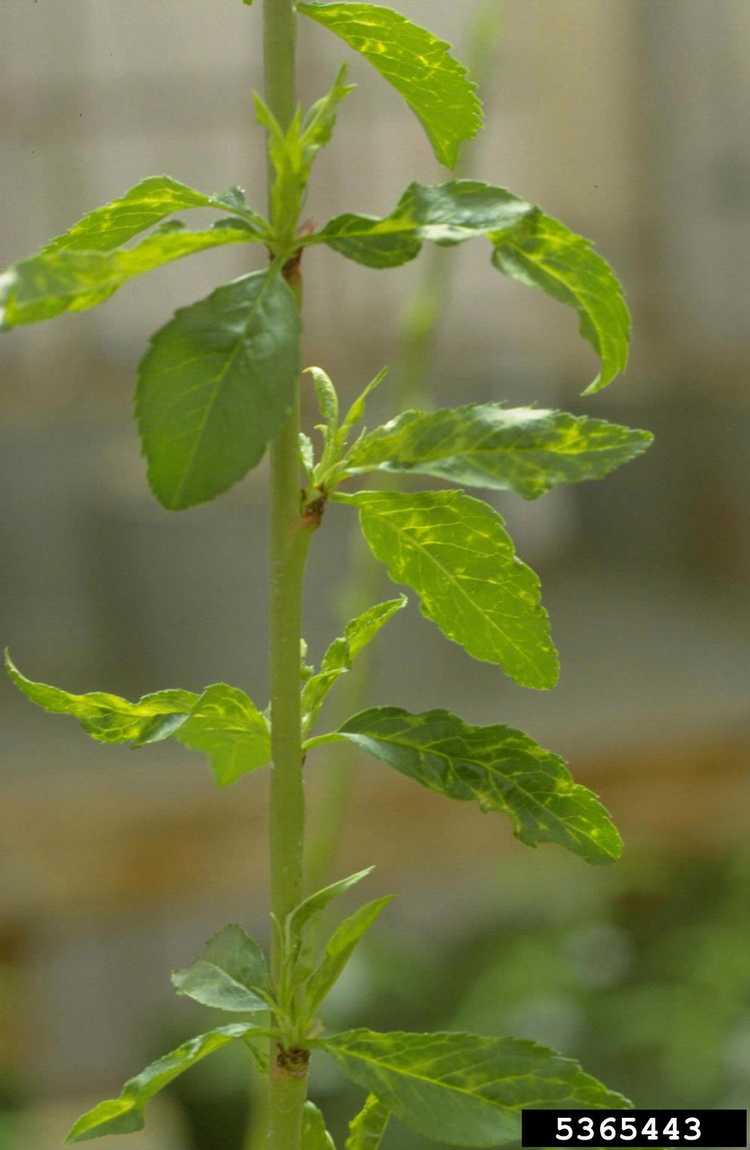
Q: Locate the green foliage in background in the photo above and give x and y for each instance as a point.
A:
(217, 388)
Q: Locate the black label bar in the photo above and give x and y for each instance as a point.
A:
(638, 1129)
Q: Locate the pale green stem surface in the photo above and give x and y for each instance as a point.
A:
(289, 543)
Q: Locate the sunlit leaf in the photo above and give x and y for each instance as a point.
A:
(222, 722)
(525, 449)
(343, 651)
(500, 768)
(462, 1089)
(456, 554)
(527, 245)
(124, 1115)
(108, 718)
(367, 1130)
(143, 206)
(215, 386)
(230, 967)
(72, 280)
(314, 1133)
(418, 65)
(339, 949)
(542, 252)
(227, 726)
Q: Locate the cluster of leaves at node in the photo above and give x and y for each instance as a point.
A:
(459, 1089)
(214, 389)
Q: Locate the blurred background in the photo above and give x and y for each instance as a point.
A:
(627, 119)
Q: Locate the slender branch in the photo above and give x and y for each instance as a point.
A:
(289, 542)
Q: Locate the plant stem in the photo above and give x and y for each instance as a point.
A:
(289, 542)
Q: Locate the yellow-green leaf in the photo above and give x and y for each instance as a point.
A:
(227, 726)
(526, 449)
(314, 1133)
(463, 1089)
(74, 280)
(500, 768)
(420, 67)
(343, 651)
(527, 245)
(367, 1129)
(456, 554)
(124, 1115)
(109, 718)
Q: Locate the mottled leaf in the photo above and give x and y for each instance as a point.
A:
(418, 65)
(227, 726)
(500, 768)
(314, 1133)
(145, 205)
(543, 253)
(72, 280)
(462, 1089)
(227, 973)
(343, 651)
(527, 245)
(367, 1130)
(339, 949)
(524, 449)
(456, 554)
(215, 386)
(124, 1115)
(108, 718)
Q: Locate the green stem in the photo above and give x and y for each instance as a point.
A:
(290, 535)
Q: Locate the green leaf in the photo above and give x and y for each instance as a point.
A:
(524, 449)
(293, 152)
(222, 722)
(341, 654)
(356, 412)
(124, 1115)
(314, 1133)
(340, 948)
(527, 245)
(215, 386)
(419, 66)
(231, 966)
(305, 912)
(227, 726)
(541, 252)
(108, 718)
(63, 280)
(462, 1089)
(500, 768)
(145, 205)
(456, 554)
(367, 1130)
